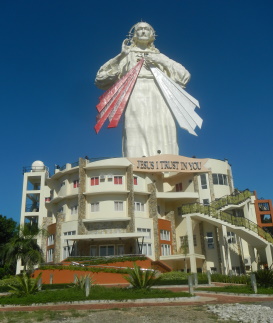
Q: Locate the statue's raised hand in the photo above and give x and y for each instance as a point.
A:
(125, 47)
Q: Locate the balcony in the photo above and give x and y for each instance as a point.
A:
(177, 195)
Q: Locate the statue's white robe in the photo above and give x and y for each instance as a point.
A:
(149, 126)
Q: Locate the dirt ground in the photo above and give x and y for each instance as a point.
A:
(173, 314)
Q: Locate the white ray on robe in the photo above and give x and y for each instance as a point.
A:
(181, 103)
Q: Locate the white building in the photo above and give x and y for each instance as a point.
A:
(182, 211)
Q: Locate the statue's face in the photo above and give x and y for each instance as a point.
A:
(143, 32)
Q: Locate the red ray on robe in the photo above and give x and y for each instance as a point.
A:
(113, 101)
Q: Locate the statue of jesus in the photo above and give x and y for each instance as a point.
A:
(149, 127)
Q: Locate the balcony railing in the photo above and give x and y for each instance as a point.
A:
(214, 210)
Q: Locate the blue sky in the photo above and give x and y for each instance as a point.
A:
(51, 51)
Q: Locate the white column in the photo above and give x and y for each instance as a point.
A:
(268, 255)
(191, 244)
(253, 259)
(225, 251)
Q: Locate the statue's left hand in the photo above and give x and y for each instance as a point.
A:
(153, 59)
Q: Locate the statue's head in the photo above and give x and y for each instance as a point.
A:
(143, 33)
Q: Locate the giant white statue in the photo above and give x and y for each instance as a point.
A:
(149, 87)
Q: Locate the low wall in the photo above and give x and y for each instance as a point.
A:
(68, 276)
(61, 276)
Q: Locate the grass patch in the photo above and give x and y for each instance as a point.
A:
(236, 289)
(39, 316)
(96, 293)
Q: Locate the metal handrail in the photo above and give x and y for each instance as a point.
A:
(28, 169)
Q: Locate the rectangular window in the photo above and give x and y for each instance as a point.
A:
(50, 240)
(204, 184)
(76, 183)
(165, 249)
(215, 179)
(93, 251)
(50, 253)
(178, 187)
(95, 181)
(66, 252)
(118, 180)
(236, 270)
(213, 270)
(205, 201)
(194, 240)
(210, 241)
(95, 207)
(266, 218)
(145, 230)
(264, 206)
(219, 179)
(70, 233)
(146, 249)
(118, 206)
(107, 251)
(231, 237)
(135, 180)
(74, 209)
(120, 249)
(179, 210)
(139, 206)
(165, 235)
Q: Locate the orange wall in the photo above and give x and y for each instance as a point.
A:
(68, 276)
(61, 276)
(165, 225)
(259, 213)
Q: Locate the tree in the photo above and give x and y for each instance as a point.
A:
(7, 229)
(23, 245)
(7, 232)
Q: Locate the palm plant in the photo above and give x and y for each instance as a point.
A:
(264, 277)
(80, 282)
(141, 279)
(25, 284)
(24, 246)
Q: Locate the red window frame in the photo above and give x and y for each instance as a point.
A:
(95, 181)
(118, 180)
(135, 180)
(76, 183)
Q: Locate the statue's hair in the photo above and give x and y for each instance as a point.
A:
(132, 36)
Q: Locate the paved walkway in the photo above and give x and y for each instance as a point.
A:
(201, 299)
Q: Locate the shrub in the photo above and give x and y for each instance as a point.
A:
(264, 278)
(242, 279)
(105, 260)
(174, 275)
(26, 285)
(141, 279)
(81, 268)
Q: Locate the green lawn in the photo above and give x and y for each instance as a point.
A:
(236, 289)
(96, 293)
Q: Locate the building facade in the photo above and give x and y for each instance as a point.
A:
(179, 210)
